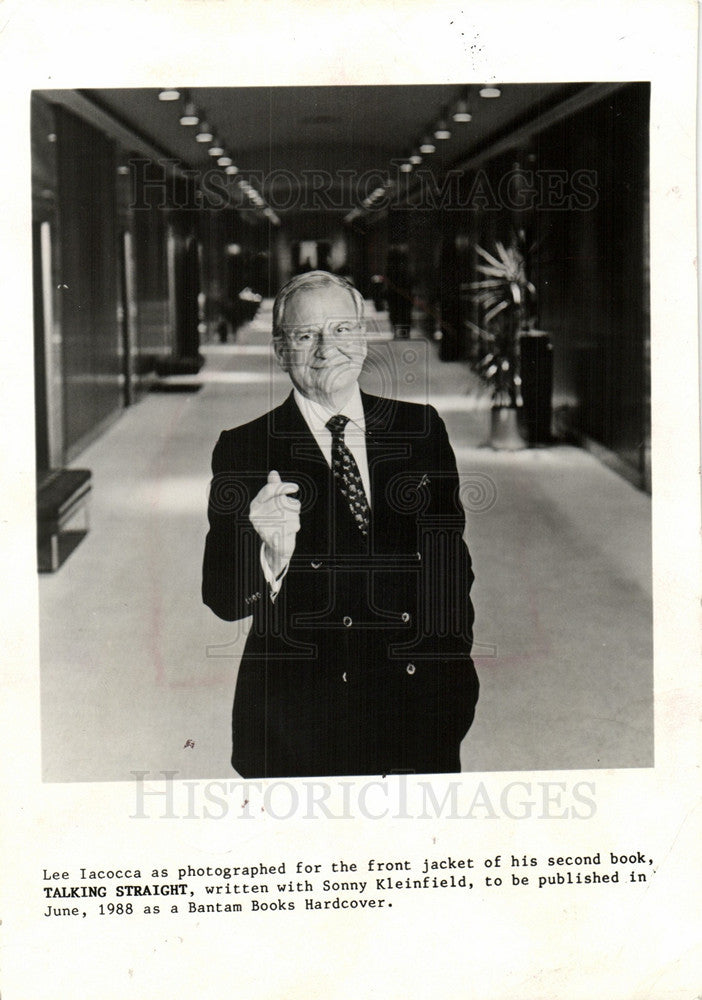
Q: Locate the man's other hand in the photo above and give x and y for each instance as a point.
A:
(275, 515)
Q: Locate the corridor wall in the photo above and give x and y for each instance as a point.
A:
(116, 275)
(88, 254)
(579, 191)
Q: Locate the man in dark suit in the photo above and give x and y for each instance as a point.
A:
(335, 520)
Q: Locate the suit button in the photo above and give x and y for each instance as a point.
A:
(405, 617)
(410, 668)
(348, 622)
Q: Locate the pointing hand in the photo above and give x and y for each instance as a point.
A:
(275, 515)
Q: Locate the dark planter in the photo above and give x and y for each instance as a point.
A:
(536, 354)
(505, 434)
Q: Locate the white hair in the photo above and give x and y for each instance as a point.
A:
(311, 279)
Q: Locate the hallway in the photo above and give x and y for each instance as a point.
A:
(135, 669)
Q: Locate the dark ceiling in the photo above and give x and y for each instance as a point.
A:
(342, 132)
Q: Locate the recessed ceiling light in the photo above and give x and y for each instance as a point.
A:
(489, 91)
(190, 115)
(169, 95)
(441, 131)
(461, 114)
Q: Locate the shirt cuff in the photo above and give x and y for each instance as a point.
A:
(274, 582)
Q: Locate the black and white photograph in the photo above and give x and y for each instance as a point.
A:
(351, 536)
(446, 489)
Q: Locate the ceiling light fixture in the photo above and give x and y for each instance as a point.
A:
(204, 135)
(461, 114)
(406, 168)
(490, 91)
(427, 146)
(169, 95)
(216, 150)
(414, 159)
(224, 161)
(232, 170)
(441, 131)
(190, 115)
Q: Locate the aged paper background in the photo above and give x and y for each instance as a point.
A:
(637, 941)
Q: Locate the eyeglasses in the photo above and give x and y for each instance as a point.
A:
(341, 331)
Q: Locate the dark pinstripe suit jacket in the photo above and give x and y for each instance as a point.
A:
(362, 664)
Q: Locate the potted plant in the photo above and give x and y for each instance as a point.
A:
(506, 298)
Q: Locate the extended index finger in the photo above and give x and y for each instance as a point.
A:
(277, 486)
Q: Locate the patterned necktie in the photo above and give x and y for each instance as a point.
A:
(346, 473)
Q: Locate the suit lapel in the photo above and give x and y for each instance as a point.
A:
(301, 461)
(388, 452)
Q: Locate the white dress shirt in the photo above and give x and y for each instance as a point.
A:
(315, 416)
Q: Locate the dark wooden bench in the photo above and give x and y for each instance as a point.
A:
(60, 496)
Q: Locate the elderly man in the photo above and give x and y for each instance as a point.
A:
(335, 520)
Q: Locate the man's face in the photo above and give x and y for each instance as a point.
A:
(323, 345)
